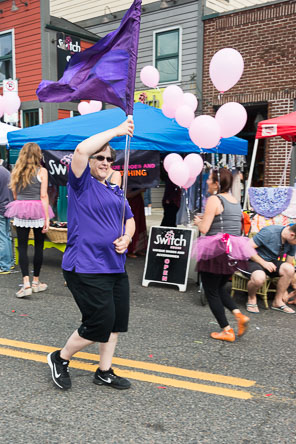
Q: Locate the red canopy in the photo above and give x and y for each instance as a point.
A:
(284, 126)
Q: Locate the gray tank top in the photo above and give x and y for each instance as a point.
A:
(231, 219)
(31, 191)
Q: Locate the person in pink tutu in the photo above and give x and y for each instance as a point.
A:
(221, 251)
(30, 209)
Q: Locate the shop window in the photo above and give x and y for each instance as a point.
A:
(167, 44)
(6, 56)
(30, 117)
(75, 114)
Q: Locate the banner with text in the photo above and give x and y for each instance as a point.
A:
(144, 167)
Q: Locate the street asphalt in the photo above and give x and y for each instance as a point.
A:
(178, 392)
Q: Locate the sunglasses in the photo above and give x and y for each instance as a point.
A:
(101, 158)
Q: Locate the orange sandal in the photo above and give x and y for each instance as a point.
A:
(242, 323)
(224, 335)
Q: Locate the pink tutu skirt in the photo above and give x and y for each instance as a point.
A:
(222, 253)
(27, 209)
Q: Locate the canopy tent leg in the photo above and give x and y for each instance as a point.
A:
(288, 157)
(293, 165)
(250, 172)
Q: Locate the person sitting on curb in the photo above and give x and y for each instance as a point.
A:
(275, 246)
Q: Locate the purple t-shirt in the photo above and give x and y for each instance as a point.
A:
(94, 222)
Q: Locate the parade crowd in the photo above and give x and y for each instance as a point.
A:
(100, 234)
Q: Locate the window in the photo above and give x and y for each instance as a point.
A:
(6, 56)
(167, 54)
(30, 117)
(75, 113)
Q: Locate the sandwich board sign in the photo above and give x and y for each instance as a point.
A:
(168, 256)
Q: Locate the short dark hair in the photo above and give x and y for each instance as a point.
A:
(292, 228)
(225, 179)
(104, 147)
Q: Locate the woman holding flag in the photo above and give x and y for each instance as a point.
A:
(100, 222)
(94, 260)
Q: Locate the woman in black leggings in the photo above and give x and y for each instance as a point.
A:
(30, 209)
(23, 236)
(221, 223)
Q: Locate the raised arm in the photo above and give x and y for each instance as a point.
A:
(91, 145)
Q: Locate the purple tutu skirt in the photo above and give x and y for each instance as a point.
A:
(27, 209)
(222, 253)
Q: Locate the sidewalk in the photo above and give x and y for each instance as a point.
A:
(155, 218)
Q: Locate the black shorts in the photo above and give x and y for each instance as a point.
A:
(103, 300)
(254, 266)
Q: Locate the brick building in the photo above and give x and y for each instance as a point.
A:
(265, 36)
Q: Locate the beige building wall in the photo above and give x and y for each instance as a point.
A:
(230, 5)
(77, 10)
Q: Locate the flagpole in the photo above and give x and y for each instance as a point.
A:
(125, 176)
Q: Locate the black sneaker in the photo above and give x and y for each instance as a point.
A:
(109, 378)
(59, 371)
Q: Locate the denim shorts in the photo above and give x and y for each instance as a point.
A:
(103, 300)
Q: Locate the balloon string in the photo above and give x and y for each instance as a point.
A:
(186, 194)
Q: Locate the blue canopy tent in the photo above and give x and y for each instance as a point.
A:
(153, 131)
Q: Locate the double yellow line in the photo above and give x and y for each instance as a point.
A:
(16, 349)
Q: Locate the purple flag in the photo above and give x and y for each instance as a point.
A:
(105, 72)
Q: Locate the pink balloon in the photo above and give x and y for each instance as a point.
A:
(170, 159)
(205, 132)
(190, 100)
(232, 118)
(194, 163)
(226, 68)
(149, 76)
(12, 102)
(84, 108)
(168, 111)
(179, 173)
(189, 182)
(95, 106)
(1, 106)
(173, 96)
(184, 115)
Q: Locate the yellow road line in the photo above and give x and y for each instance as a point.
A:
(194, 374)
(138, 376)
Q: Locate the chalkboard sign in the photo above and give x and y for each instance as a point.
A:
(168, 256)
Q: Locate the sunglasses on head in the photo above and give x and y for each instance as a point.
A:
(101, 158)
